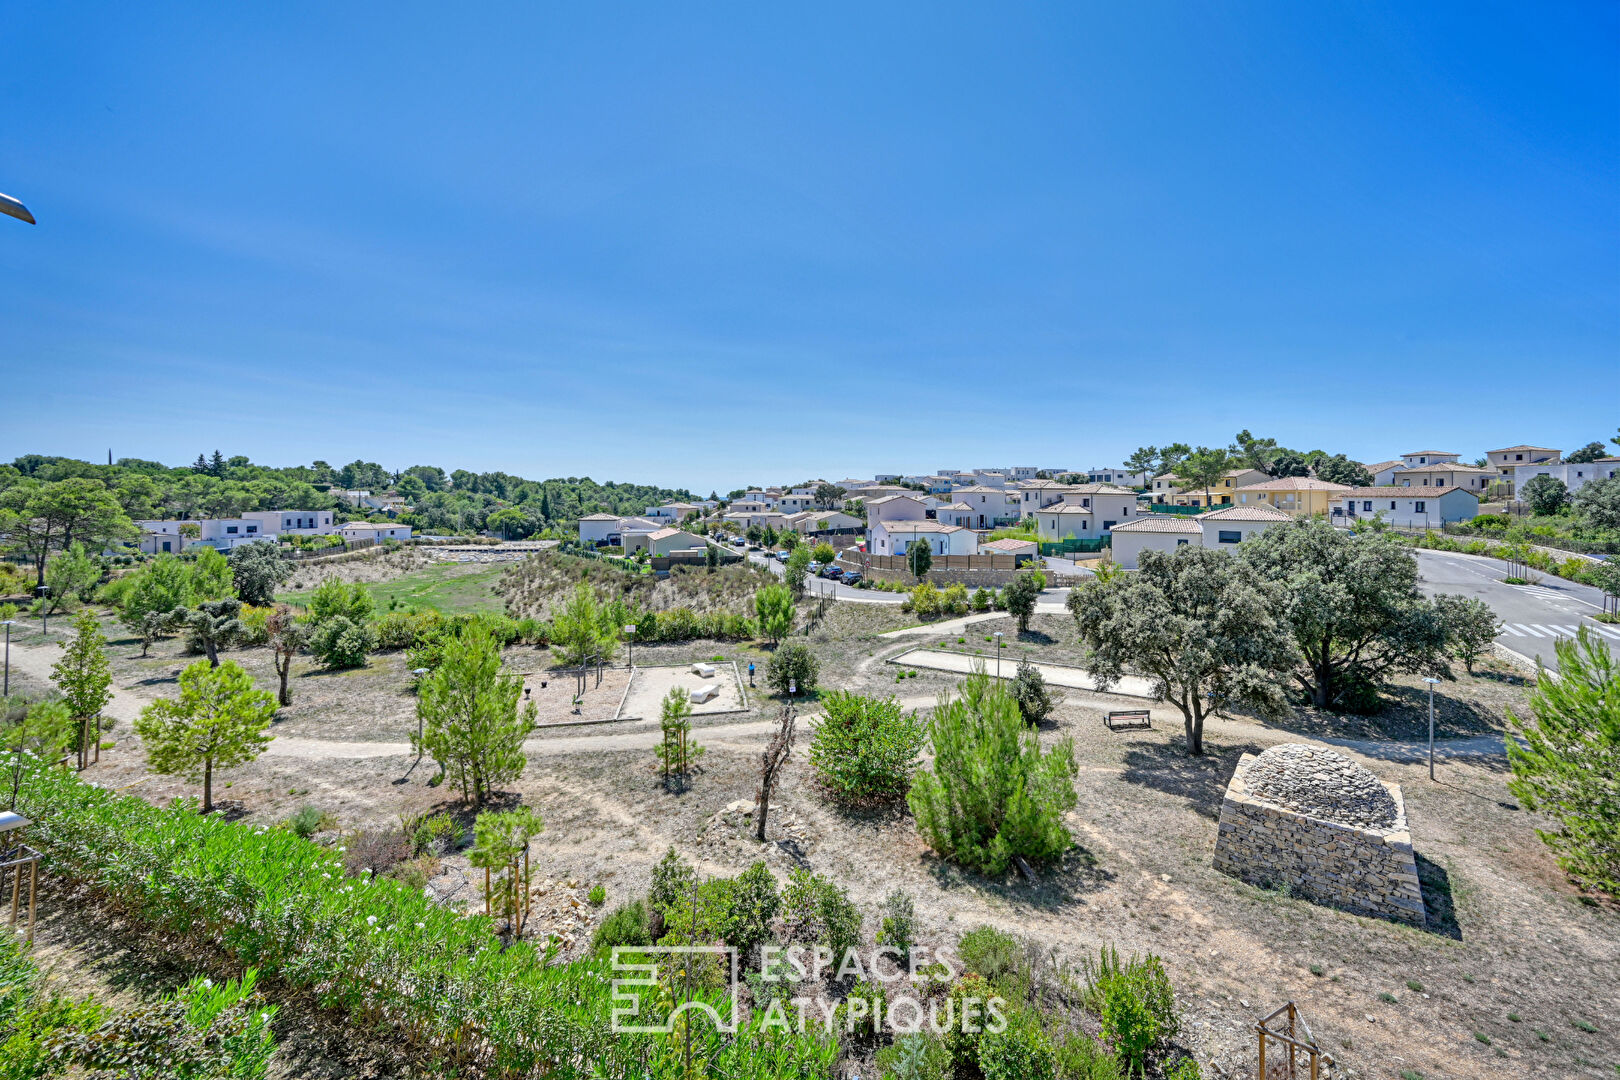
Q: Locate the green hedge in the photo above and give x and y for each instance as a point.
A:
(374, 948)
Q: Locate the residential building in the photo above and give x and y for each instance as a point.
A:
(1155, 532)
(751, 506)
(955, 514)
(886, 477)
(765, 519)
(667, 541)
(1107, 474)
(896, 508)
(298, 522)
(1442, 475)
(674, 511)
(365, 530)
(1112, 502)
(1300, 496)
(1574, 476)
(815, 521)
(1412, 459)
(1071, 520)
(1172, 489)
(220, 533)
(1034, 494)
(1383, 472)
(992, 507)
(1407, 507)
(598, 528)
(795, 502)
(896, 537)
(1223, 527)
(1505, 460)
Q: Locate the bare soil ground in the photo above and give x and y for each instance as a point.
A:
(538, 584)
(1512, 961)
(651, 684)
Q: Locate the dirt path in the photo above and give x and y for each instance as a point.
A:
(1057, 674)
(36, 661)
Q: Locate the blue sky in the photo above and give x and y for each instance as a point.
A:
(712, 244)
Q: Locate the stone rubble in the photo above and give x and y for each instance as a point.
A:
(1321, 783)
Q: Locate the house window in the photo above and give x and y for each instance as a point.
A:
(1518, 457)
(253, 528)
(1181, 543)
(1229, 536)
(1107, 525)
(1366, 506)
(1417, 507)
(1392, 504)
(230, 528)
(165, 545)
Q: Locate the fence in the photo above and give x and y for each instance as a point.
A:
(1075, 546)
(1167, 508)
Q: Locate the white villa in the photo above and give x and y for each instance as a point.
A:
(1223, 526)
(1413, 508)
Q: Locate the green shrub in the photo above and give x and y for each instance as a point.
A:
(898, 929)
(435, 834)
(1035, 701)
(865, 748)
(792, 664)
(863, 1021)
(915, 1057)
(309, 821)
(1020, 1052)
(926, 600)
(1135, 1003)
(1081, 1057)
(954, 600)
(255, 630)
(818, 912)
(996, 956)
(339, 642)
(672, 879)
(992, 794)
(597, 896)
(625, 925)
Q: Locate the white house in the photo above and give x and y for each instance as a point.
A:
(896, 508)
(992, 506)
(1111, 502)
(896, 538)
(1021, 550)
(665, 541)
(814, 521)
(1412, 508)
(1231, 525)
(597, 528)
(673, 511)
(1112, 474)
(1223, 527)
(1508, 458)
(1441, 475)
(220, 533)
(1155, 532)
(1065, 520)
(1575, 476)
(365, 530)
(765, 519)
(300, 522)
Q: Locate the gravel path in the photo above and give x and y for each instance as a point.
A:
(1057, 674)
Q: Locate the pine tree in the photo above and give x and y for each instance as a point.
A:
(200, 465)
(472, 722)
(84, 677)
(217, 722)
(216, 465)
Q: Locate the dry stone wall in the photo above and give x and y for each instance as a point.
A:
(1369, 870)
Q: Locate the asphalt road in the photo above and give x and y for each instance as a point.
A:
(1534, 617)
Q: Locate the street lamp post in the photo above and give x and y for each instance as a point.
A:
(44, 609)
(630, 632)
(7, 691)
(1431, 680)
(998, 654)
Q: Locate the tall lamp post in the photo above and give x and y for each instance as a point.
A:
(44, 610)
(1431, 680)
(998, 654)
(630, 632)
(8, 625)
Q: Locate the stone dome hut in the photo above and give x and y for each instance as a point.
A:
(1312, 819)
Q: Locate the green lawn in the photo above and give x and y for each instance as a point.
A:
(449, 587)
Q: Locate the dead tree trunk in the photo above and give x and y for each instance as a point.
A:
(770, 765)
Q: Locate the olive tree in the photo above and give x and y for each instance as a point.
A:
(1471, 626)
(1545, 494)
(1199, 623)
(257, 569)
(1352, 605)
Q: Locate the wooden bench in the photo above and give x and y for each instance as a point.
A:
(1125, 719)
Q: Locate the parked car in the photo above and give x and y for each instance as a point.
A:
(740, 541)
(781, 556)
(851, 578)
(832, 572)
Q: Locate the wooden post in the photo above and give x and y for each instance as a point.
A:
(33, 896)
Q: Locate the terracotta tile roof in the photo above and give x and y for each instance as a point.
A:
(1295, 483)
(1159, 523)
(1413, 453)
(1400, 492)
(1442, 467)
(600, 517)
(663, 533)
(1007, 543)
(1506, 449)
(1382, 465)
(890, 498)
(1244, 513)
(1098, 489)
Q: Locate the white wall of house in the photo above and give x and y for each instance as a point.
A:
(595, 528)
(1223, 533)
(1063, 521)
(1129, 543)
(301, 522)
(1574, 476)
(1405, 507)
(896, 538)
(896, 508)
(365, 530)
(1428, 457)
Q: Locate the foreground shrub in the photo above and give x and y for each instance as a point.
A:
(815, 911)
(1135, 1003)
(340, 642)
(865, 748)
(993, 795)
(1029, 689)
(625, 925)
(374, 948)
(1566, 769)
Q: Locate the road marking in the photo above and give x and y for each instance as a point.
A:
(1532, 631)
(1605, 631)
(1509, 628)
